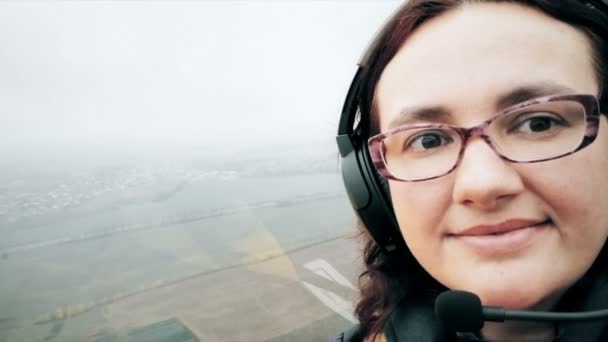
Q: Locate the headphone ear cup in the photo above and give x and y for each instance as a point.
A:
(383, 183)
(368, 192)
(369, 195)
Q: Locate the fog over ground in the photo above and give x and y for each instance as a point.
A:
(154, 75)
(148, 147)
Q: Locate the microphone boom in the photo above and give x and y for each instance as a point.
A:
(461, 311)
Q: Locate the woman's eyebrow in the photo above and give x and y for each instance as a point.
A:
(426, 114)
(529, 91)
(507, 99)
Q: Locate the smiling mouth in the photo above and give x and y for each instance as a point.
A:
(497, 240)
(546, 222)
(501, 229)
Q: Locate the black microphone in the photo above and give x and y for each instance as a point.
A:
(461, 311)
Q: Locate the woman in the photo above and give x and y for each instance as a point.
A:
(482, 120)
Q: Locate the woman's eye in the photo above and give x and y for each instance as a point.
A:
(539, 124)
(427, 141)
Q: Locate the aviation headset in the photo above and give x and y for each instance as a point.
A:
(367, 190)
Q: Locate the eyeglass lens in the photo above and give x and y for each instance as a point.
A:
(536, 132)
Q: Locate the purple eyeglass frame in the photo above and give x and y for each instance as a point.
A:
(589, 102)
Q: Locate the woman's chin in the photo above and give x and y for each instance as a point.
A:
(518, 299)
(516, 289)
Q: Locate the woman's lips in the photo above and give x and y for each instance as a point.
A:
(506, 237)
(504, 227)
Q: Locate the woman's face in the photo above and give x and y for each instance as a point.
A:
(464, 61)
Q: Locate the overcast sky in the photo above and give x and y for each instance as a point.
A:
(190, 72)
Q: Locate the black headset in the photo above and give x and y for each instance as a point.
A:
(367, 190)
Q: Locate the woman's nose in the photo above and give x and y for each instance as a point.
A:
(483, 179)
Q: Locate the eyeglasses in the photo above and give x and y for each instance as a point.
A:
(537, 130)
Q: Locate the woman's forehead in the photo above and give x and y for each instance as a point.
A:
(469, 57)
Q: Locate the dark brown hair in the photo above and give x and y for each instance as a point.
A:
(389, 279)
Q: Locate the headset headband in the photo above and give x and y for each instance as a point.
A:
(363, 184)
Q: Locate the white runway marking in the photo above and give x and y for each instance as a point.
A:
(324, 269)
(336, 303)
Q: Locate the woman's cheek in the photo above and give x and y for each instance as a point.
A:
(420, 207)
(575, 196)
